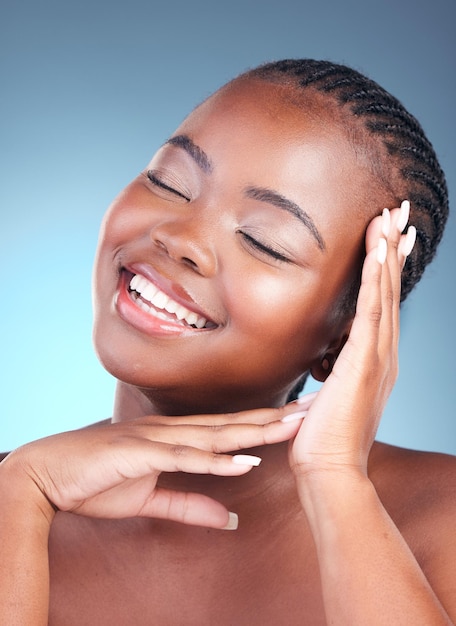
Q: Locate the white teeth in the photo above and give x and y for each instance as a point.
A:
(171, 306)
(192, 318)
(200, 322)
(134, 282)
(180, 312)
(160, 300)
(143, 305)
(149, 292)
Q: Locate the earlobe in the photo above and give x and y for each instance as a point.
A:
(324, 366)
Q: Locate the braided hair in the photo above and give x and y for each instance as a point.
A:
(416, 173)
(413, 170)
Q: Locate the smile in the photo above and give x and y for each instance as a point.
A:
(149, 298)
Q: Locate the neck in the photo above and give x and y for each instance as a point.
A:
(250, 495)
(132, 402)
(269, 487)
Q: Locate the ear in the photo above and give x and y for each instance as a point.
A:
(323, 366)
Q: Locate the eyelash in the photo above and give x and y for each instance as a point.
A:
(156, 181)
(275, 254)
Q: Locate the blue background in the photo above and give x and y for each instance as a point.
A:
(90, 90)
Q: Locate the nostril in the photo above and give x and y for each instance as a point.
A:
(189, 262)
(180, 246)
(160, 244)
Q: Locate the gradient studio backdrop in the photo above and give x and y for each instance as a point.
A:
(89, 90)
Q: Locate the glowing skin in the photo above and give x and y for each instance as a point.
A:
(193, 222)
(218, 281)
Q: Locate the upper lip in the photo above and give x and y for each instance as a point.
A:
(168, 286)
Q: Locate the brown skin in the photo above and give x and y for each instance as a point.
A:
(266, 572)
(256, 354)
(275, 320)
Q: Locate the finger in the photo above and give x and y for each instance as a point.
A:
(407, 240)
(305, 401)
(139, 458)
(364, 332)
(188, 508)
(141, 498)
(406, 245)
(373, 233)
(401, 245)
(251, 416)
(390, 224)
(220, 438)
(133, 466)
(390, 286)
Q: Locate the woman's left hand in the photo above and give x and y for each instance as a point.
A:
(343, 417)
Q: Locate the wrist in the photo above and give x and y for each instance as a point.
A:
(25, 523)
(334, 491)
(21, 496)
(313, 476)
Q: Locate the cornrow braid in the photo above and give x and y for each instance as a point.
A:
(418, 176)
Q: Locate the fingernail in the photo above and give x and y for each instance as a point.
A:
(246, 459)
(386, 222)
(233, 522)
(291, 417)
(403, 216)
(381, 250)
(409, 241)
(306, 397)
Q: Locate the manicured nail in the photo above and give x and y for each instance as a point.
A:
(246, 459)
(233, 522)
(386, 222)
(291, 417)
(382, 249)
(409, 241)
(307, 397)
(403, 216)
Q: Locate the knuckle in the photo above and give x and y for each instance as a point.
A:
(375, 316)
(218, 439)
(390, 296)
(179, 450)
(217, 429)
(393, 244)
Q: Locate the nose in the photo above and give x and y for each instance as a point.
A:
(186, 241)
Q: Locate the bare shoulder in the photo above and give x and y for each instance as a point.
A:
(418, 490)
(413, 478)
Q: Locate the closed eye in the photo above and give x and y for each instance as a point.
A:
(254, 243)
(159, 183)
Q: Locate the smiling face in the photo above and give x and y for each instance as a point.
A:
(220, 269)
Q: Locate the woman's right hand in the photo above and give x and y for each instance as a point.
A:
(111, 470)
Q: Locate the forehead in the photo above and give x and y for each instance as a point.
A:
(273, 135)
(268, 109)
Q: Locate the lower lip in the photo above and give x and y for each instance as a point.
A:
(143, 321)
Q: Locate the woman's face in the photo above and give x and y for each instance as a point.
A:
(247, 224)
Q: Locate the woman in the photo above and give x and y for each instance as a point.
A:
(225, 273)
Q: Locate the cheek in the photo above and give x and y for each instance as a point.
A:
(256, 297)
(280, 311)
(122, 224)
(128, 216)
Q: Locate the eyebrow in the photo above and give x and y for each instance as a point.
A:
(257, 193)
(197, 154)
(267, 195)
